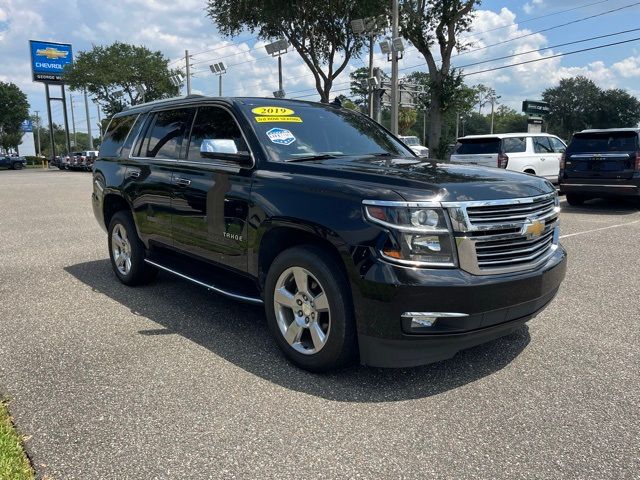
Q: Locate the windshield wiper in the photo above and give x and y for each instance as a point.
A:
(322, 156)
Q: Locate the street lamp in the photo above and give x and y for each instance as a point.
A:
(177, 80)
(218, 69)
(370, 27)
(141, 89)
(277, 49)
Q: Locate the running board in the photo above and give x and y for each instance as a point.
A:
(235, 296)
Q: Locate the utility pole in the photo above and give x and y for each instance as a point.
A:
(394, 70)
(52, 144)
(73, 123)
(99, 121)
(371, 90)
(188, 63)
(86, 110)
(457, 125)
(66, 118)
(38, 132)
(378, 91)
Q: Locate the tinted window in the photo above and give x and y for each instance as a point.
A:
(514, 145)
(542, 145)
(557, 145)
(604, 142)
(126, 148)
(116, 135)
(477, 146)
(310, 130)
(166, 132)
(214, 123)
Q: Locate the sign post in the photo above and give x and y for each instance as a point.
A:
(48, 61)
(535, 109)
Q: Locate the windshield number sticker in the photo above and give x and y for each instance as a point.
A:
(267, 119)
(281, 136)
(273, 111)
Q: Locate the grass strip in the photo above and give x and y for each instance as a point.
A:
(14, 464)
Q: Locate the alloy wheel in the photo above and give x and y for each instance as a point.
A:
(121, 249)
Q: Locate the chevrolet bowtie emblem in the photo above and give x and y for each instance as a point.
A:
(533, 228)
(51, 53)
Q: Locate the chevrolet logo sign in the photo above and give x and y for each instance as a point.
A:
(533, 229)
(52, 53)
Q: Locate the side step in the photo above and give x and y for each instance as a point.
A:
(226, 293)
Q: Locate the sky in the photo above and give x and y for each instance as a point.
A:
(173, 26)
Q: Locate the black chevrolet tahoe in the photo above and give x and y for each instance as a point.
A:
(601, 163)
(357, 248)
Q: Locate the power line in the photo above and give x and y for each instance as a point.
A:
(553, 56)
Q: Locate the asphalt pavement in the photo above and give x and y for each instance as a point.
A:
(170, 381)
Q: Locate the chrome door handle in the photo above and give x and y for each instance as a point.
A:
(183, 182)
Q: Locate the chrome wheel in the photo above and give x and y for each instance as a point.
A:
(302, 310)
(121, 249)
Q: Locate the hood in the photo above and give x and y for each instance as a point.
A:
(417, 179)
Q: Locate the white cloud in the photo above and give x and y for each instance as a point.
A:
(628, 68)
(529, 7)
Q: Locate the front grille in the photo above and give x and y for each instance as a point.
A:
(505, 236)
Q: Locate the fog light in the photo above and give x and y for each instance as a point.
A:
(423, 321)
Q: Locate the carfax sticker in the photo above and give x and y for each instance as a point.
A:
(281, 136)
(273, 111)
(266, 119)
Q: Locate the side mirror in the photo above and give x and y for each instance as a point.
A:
(224, 149)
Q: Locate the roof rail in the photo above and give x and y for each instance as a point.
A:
(163, 100)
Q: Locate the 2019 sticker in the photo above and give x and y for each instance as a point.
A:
(281, 136)
(266, 119)
(272, 111)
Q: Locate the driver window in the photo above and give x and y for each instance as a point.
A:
(542, 145)
(214, 130)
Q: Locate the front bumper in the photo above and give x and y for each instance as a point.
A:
(495, 305)
(601, 187)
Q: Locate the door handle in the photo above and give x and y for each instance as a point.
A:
(133, 173)
(183, 182)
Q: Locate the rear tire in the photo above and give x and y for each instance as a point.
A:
(17, 166)
(127, 251)
(575, 200)
(309, 309)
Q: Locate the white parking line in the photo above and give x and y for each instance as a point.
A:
(598, 229)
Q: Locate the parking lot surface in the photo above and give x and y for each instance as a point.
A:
(169, 381)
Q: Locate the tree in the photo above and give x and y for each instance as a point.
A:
(572, 105)
(426, 23)
(507, 120)
(359, 88)
(617, 108)
(319, 31)
(111, 73)
(13, 111)
(406, 119)
(484, 95)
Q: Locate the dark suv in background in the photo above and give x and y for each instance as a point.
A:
(355, 246)
(601, 163)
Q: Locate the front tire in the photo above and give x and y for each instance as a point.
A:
(127, 252)
(17, 166)
(309, 309)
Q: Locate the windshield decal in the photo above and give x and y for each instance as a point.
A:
(281, 136)
(265, 119)
(272, 111)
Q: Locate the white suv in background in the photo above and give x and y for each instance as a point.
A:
(533, 153)
(413, 143)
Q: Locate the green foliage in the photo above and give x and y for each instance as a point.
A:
(13, 111)
(105, 70)
(359, 89)
(14, 464)
(406, 119)
(507, 120)
(319, 31)
(578, 103)
(61, 141)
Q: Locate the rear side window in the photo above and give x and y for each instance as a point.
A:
(514, 145)
(126, 148)
(557, 145)
(166, 132)
(542, 145)
(477, 146)
(214, 123)
(604, 142)
(116, 135)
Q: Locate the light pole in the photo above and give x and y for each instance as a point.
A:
(370, 27)
(394, 49)
(218, 69)
(188, 70)
(277, 49)
(73, 122)
(493, 99)
(86, 111)
(142, 90)
(95, 100)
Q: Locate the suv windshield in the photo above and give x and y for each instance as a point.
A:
(475, 146)
(411, 141)
(310, 131)
(604, 142)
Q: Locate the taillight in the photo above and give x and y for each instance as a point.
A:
(563, 160)
(503, 160)
(637, 161)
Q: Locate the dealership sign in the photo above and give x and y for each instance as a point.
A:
(534, 107)
(48, 60)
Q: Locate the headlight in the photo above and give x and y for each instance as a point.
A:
(419, 234)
